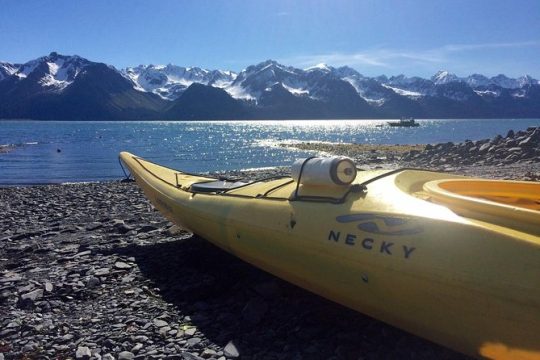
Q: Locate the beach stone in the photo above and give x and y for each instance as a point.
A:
(83, 352)
(5, 294)
(137, 348)
(163, 331)
(189, 356)
(121, 227)
(125, 355)
(208, 353)
(160, 323)
(102, 272)
(7, 332)
(528, 142)
(141, 338)
(92, 282)
(230, 350)
(94, 226)
(83, 253)
(190, 331)
(146, 228)
(30, 346)
(67, 338)
(27, 300)
(122, 265)
(193, 341)
(174, 231)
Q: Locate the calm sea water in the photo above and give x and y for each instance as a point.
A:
(59, 151)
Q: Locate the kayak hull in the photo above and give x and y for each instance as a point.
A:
(386, 252)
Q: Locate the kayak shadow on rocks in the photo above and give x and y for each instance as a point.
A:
(224, 303)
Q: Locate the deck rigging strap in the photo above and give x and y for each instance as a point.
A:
(300, 177)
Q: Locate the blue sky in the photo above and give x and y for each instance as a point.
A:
(375, 37)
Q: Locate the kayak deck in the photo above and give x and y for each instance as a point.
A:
(273, 188)
(512, 204)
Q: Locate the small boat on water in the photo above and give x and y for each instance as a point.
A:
(453, 259)
(404, 122)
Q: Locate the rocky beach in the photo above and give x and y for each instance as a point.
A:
(93, 271)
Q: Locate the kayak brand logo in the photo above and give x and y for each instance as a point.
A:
(377, 225)
(382, 225)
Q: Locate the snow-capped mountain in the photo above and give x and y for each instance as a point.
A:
(444, 77)
(71, 87)
(478, 80)
(170, 81)
(7, 69)
(256, 81)
(53, 72)
(253, 81)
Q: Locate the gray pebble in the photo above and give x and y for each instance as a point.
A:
(33, 295)
(230, 350)
(83, 352)
(121, 265)
(126, 355)
(160, 323)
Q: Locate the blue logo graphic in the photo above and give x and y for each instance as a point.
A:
(384, 225)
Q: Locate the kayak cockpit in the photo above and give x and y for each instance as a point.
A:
(512, 193)
(515, 204)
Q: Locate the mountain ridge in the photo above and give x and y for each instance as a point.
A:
(71, 87)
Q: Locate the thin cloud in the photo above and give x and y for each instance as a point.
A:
(388, 58)
(378, 58)
(282, 13)
(468, 47)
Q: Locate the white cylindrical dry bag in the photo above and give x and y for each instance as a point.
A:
(336, 170)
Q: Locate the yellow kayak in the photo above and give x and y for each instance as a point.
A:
(453, 259)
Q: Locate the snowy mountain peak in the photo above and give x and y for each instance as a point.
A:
(320, 67)
(265, 66)
(170, 81)
(54, 72)
(7, 69)
(444, 77)
(476, 80)
(345, 71)
(257, 79)
(527, 80)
